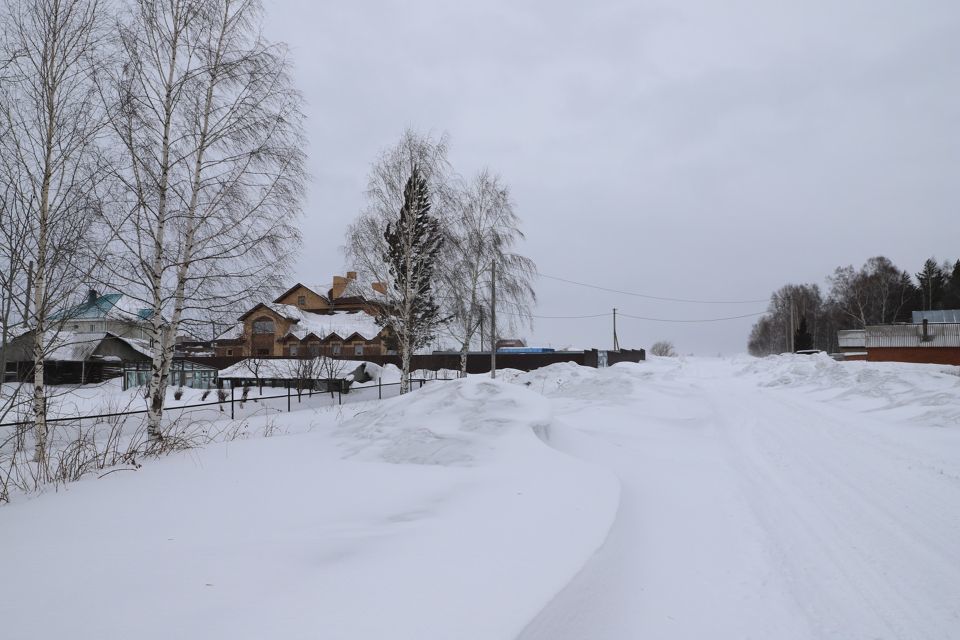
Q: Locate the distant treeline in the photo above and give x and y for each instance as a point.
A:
(879, 292)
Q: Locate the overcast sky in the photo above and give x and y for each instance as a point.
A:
(699, 149)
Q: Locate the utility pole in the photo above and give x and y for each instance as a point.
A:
(493, 319)
(616, 343)
(793, 327)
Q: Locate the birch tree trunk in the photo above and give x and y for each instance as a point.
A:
(212, 129)
(50, 158)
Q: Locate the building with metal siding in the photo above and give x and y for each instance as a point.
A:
(926, 342)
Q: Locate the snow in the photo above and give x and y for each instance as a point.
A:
(291, 368)
(341, 323)
(78, 346)
(356, 529)
(788, 497)
(794, 497)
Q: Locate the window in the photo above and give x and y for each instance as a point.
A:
(293, 350)
(263, 325)
(302, 300)
(358, 349)
(229, 352)
(335, 348)
(263, 352)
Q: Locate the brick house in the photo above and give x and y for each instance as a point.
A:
(302, 321)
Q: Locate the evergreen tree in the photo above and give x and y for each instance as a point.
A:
(802, 338)
(951, 291)
(413, 243)
(931, 284)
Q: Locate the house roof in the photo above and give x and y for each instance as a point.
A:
(70, 346)
(298, 286)
(948, 315)
(110, 306)
(911, 335)
(289, 368)
(342, 323)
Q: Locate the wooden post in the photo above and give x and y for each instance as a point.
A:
(288, 397)
(379, 388)
(231, 399)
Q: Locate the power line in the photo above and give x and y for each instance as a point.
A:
(595, 315)
(635, 317)
(649, 297)
(746, 315)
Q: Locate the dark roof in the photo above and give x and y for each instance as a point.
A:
(262, 305)
(298, 286)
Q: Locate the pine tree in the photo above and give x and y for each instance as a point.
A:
(803, 339)
(931, 280)
(413, 243)
(951, 290)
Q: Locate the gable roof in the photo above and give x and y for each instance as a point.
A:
(276, 308)
(111, 306)
(77, 347)
(299, 285)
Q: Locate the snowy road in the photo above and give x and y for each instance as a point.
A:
(756, 512)
(778, 499)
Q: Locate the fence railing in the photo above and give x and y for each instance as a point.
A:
(293, 394)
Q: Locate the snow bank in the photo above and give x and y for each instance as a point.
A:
(440, 514)
(463, 422)
(928, 393)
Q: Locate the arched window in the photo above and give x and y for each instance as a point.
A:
(263, 325)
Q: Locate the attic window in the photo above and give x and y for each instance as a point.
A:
(263, 325)
(302, 300)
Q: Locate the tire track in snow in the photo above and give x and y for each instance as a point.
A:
(860, 567)
(747, 513)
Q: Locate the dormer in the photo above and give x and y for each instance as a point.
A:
(305, 298)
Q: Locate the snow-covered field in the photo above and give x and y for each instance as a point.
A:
(790, 497)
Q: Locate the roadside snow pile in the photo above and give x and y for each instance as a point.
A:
(440, 514)
(573, 381)
(448, 423)
(923, 391)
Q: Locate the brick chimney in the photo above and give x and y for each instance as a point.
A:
(339, 286)
(380, 288)
(351, 275)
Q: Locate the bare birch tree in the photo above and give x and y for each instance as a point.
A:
(878, 293)
(51, 166)
(211, 129)
(485, 230)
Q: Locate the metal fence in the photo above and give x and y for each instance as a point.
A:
(338, 396)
